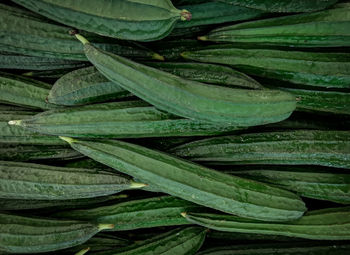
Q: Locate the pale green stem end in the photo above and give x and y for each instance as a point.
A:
(83, 251)
(137, 185)
(202, 38)
(184, 214)
(157, 57)
(67, 139)
(15, 122)
(81, 39)
(105, 226)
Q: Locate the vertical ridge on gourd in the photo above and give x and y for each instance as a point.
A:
(21, 234)
(314, 69)
(136, 213)
(192, 99)
(43, 182)
(193, 182)
(127, 119)
(327, 28)
(325, 224)
(298, 147)
(141, 20)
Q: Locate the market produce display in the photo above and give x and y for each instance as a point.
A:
(175, 127)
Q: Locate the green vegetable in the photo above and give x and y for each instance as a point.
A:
(329, 70)
(42, 182)
(329, 28)
(136, 214)
(180, 241)
(18, 90)
(141, 20)
(176, 177)
(192, 99)
(129, 119)
(300, 147)
(327, 224)
(20, 234)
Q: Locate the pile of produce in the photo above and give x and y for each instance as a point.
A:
(146, 127)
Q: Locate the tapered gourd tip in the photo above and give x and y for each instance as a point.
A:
(82, 39)
(105, 226)
(157, 57)
(183, 54)
(28, 74)
(137, 185)
(202, 38)
(83, 251)
(184, 214)
(67, 139)
(15, 122)
(186, 15)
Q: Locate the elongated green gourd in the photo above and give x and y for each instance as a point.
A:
(326, 224)
(26, 33)
(84, 86)
(192, 99)
(284, 5)
(42, 182)
(216, 12)
(329, 28)
(300, 248)
(207, 73)
(329, 70)
(20, 234)
(129, 119)
(135, 214)
(323, 184)
(176, 177)
(18, 90)
(10, 134)
(301, 147)
(321, 101)
(142, 20)
(27, 152)
(17, 61)
(180, 241)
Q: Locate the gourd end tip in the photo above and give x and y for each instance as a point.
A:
(15, 122)
(67, 139)
(83, 251)
(184, 214)
(202, 38)
(105, 226)
(158, 57)
(136, 185)
(81, 38)
(186, 15)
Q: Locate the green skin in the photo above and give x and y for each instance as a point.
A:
(128, 119)
(191, 99)
(329, 224)
(295, 248)
(180, 241)
(136, 214)
(284, 5)
(34, 235)
(209, 13)
(321, 29)
(329, 70)
(36, 152)
(18, 90)
(301, 147)
(31, 34)
(307, 182)
(34, 181)
(175, 176)
(142, 20)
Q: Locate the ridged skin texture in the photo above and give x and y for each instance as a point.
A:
(316, 69)
(19, 234)
(215, 13)
(17, 90)
(321, 29)
(318, 183)
(301, 147)
(212, 189)
(327, 224)
(180, 241)
(284, 5)
(34, 181)
(136, 214)
(207, 73)
(142, 20)
(128, 119)
(193, 99)
(296, 248)
(26, 33)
